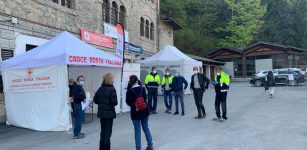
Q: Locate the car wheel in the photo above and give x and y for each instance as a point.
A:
(258, 83)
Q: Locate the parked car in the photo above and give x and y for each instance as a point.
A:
(296, 70)
(261, 73)
(281, 77)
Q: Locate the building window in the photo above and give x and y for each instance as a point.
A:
(122, 16)
(114, 16)
(238, 67)
(279, 61)
(6, 54)
(250, 66)
(30, 47)
(65, 3)
(106, 11)
(147, 29)
(142, 27)
(152, 31)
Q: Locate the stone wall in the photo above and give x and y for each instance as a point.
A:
(45, 19)
(166, 35)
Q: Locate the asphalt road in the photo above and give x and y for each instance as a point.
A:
(256, 122)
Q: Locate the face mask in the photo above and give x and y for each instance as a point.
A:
(155, 71)
(167, 73)
(81, 83)
(218, 74)
(195, 71)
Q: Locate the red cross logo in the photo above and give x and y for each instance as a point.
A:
(29, 72)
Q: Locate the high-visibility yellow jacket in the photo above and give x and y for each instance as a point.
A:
(152, 81)
(170, 80)
(224, 81)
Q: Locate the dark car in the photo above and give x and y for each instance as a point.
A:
(281, 77)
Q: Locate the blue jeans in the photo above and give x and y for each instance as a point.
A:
(137, 133)
(78, 120)
(179, 96)
(168, 103)
(152, 99)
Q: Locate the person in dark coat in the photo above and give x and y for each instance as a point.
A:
(199, 83)
(139, 118)
(106, 99)
(179, 89)
(71, 83)
(78, 96)
(270, 82)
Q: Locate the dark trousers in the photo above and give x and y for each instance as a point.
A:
(152, 98)
(220, 99)
(106, 132)
(78, 120)
(179, 96)
(198, 96)
(168, 103)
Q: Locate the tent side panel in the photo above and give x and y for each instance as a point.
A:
(44, 108)
(129, 69)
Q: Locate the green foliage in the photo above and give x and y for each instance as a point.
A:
(244, 23)
(209, 24)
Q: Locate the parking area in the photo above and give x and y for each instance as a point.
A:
(256, 122)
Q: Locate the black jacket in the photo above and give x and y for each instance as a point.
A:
(270, 81)
(106, 99)
(178, 82)
(203, 81)
(131, 97)
(77, 93)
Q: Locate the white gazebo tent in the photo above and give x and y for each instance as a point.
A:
(36, 82)
(173, 58)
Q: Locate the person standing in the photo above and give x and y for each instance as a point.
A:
(106, 99)
(290, 79)
(71, 83)
(167, 90)
(221, 83)
(139, 116)
(178, 89)
(199, 83)
(152, 83)
(270, 82)
(78, 96)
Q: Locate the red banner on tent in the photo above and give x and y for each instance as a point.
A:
(96, 38)
(120, 41)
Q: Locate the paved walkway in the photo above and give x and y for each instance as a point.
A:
(256, 122)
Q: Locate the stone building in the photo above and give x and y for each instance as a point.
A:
(167, 26)
(25, 24)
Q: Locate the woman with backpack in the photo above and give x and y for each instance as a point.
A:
(270, 81)
(136, 99)
(106, 99)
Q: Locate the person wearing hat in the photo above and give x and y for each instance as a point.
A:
(152, 83)
(199, 83)
(167, 80)
(221, 83)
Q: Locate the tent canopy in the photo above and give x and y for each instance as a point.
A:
(170, 55)
(62, 49)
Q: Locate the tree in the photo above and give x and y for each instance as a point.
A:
(300, 24)
(244, 23)
(278, 25)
